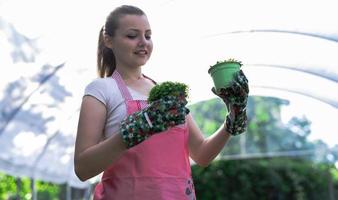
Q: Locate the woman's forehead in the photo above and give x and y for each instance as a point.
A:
(134, 22)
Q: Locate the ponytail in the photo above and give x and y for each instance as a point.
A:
(106, 63)
(105, 58)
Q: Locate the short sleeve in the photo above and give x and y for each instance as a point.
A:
(97, 88)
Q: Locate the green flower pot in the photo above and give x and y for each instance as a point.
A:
(222, 73)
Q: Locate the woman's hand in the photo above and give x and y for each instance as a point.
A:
(159, 116)
(235, 97)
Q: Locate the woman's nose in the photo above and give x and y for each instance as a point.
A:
(143, 41)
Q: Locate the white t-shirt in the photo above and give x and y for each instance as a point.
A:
(106, 91)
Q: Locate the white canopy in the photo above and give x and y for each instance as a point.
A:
(47, 54)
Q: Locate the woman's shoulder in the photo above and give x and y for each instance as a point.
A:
(101, 82)
(104, 89)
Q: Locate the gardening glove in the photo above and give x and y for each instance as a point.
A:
(235, 97)
(159, 116)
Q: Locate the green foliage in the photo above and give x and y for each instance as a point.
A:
(229, 60)
(209, 115)
(8, 188)
(334, 175)
(7, 183)
(277, 178)
(168, 88)
(265, 133)
(47, 190)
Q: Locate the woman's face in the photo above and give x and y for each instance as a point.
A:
(131, 43)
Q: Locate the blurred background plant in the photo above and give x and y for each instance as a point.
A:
(278, 160)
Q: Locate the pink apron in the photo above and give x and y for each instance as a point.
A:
(156, 169)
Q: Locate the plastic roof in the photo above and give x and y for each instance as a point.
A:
(286, 49)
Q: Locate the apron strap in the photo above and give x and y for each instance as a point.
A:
(150, 79)
(122, 86)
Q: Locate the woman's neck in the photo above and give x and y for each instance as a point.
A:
(130, 75)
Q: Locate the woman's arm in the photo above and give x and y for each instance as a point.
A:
(235, 97)
(204, 150)
(92, 155)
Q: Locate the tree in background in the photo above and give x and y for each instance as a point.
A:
(266, 132)
(310, 175)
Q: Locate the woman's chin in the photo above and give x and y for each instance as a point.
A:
(141, 62)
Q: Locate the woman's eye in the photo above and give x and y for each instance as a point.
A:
(131, 36)
(148, 37)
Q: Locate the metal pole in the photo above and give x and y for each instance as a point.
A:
(68, 192)
(18, 188)
(33, 189)
(88, 192)
(242, 142)
(330, 185)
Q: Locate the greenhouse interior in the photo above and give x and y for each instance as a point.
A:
(289, 54)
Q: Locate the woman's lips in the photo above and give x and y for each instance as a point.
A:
(141, 52)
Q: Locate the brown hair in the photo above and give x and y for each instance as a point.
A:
(105, 56)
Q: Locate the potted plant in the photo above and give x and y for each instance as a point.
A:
(168, 88)
(222, 72)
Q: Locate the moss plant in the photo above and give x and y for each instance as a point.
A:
(230, 60)
(166, 89)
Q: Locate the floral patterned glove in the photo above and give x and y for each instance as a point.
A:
(159, 116)
(235, 96)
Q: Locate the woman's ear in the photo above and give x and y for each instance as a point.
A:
(108, 41)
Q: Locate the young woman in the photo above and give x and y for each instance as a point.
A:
(143, 149)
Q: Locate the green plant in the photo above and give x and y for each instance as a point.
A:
(268, 179)
(230, 60)
(168, 88)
